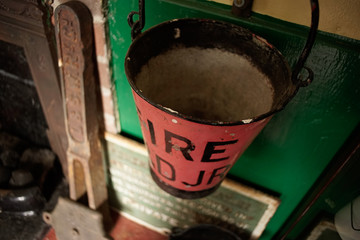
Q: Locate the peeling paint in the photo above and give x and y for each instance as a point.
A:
(109, 117)
(102, 59)
(60, 63)
(247, 120)
(177, 33)
(105, 91)
(176, 147)
(170, 110)
(98, 19)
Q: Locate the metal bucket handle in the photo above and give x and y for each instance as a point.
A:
(296, 77)
(138, 25)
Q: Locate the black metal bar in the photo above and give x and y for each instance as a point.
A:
(306, 51)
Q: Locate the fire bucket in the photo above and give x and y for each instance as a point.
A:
(203, 89)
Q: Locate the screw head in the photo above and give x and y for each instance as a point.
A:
(75, 233)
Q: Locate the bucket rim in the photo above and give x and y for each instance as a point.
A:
(175, 113)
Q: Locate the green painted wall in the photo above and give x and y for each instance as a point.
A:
(298, 143)
(332, 191)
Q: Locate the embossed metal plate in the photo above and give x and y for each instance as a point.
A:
(74, 34)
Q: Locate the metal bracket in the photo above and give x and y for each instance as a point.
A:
(73, 221)
(242, 8)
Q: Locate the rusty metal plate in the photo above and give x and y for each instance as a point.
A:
(74, 34)
(73, 221)
(22, 24)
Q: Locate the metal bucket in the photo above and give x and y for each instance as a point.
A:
(203, 89)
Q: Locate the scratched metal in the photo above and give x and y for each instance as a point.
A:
(72, 220)
(75, 46)
(21, 24)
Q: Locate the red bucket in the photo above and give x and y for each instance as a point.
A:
(203, 89)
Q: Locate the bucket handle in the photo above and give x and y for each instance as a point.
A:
(138, 25)
(295, 76)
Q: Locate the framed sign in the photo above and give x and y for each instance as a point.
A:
(235, 207)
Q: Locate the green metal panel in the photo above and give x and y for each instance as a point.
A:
(337, 186)
(298, 143)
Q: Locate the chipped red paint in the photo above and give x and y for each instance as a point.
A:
(191, 156)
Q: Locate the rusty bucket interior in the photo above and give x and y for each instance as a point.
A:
(209, 71)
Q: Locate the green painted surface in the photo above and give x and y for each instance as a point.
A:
(297, 144)
(334, 189)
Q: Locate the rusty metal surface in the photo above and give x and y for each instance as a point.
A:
(75, 46)
(21, 23)
(73, 221)
(124, 229)
(99, 11)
